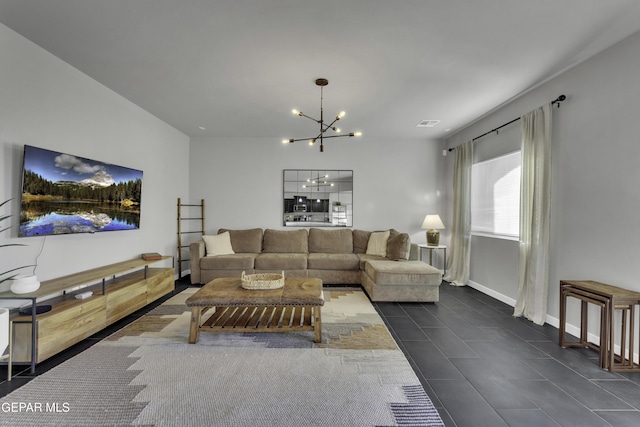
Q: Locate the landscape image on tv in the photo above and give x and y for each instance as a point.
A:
(63, 194)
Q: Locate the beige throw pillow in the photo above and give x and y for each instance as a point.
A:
(219, 244)
(377, 244)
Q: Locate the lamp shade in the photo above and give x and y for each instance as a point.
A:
(432, 222)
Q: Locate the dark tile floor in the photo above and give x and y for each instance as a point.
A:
(483, 367)
(479, 365)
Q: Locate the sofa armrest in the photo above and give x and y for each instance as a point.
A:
(414, 253)
(196, 253)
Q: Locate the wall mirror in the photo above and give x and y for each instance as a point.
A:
(317, 198)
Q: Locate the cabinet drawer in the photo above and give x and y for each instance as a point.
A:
(160, 282)
(60, 328)
(122, 302)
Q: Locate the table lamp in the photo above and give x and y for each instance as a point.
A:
(432, 223)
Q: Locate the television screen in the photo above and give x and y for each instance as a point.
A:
(63, 194)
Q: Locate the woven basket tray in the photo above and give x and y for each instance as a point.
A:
(262, 281)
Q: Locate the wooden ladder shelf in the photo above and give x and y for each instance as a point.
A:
(182, 245)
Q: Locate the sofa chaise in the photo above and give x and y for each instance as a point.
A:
(384, 263)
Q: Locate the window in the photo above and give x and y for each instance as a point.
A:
(495, 197)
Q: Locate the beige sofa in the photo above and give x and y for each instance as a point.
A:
(385, 263)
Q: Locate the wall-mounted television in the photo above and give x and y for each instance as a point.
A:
(64, 194)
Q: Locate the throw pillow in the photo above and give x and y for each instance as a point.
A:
(399, 247)
(219, 244)
(247, 241)
(360, 241)
(378, 243)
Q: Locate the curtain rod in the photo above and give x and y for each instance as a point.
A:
(558, 100)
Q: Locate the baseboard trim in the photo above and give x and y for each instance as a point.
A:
(551, 320)
(184, 273)
(487, 291)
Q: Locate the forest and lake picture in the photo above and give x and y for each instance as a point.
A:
(63, 194)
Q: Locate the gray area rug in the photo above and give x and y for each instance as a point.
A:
(148, 375)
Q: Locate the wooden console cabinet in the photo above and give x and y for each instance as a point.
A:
(118, 290)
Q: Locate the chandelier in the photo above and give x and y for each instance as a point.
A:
(320, 181)
(323, 126)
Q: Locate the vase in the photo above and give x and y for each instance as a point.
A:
(24, 284)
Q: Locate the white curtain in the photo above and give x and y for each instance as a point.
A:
(458, 266)
(535, 199)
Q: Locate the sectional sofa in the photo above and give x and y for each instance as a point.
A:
(385, 262)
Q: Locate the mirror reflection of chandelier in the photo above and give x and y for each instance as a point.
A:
(320, 181)
(323, 126)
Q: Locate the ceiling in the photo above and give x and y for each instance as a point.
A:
(238, 67)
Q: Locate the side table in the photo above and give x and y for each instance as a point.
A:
(424, 246)
(609, 299)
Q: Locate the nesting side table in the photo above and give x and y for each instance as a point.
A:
(609, 299)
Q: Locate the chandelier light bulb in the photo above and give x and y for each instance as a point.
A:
(357, 134)
(296, 112)
(337, 129)
(341, 115)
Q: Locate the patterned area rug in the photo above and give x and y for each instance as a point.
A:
(148, 375)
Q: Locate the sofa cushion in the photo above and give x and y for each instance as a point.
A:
(228, 262)
(245, 241)
(281, 261)
(360, 241)
(402, 273)
(399, 247)
(333, 261)
(278, 241)
(219, 244)
(378, 243)
(363, 258)
(330, 241)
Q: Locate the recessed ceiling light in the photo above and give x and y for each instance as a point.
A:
(427, 123)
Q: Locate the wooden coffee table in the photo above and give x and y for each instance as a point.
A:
(294, 307)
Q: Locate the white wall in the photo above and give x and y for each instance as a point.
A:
(595, 197)
(395, 182)
(46, 103)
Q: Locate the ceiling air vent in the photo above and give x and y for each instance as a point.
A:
(427, 123)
